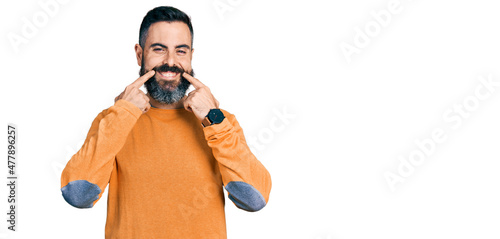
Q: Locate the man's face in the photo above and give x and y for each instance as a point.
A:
(168, 51)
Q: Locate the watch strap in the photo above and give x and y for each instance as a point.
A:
(206, 122)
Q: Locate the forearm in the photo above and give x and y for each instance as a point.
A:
(245, 178)
(87, 173)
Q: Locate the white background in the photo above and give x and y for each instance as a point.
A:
(352, 120)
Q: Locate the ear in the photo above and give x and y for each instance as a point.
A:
(138, 54)
(191, 54)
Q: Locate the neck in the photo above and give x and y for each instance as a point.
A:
(176, 105)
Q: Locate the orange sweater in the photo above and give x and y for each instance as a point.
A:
(165, 173)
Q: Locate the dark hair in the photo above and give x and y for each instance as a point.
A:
(163, 14)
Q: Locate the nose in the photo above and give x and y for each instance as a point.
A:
(170, 59)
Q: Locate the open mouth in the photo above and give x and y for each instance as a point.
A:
(169, 75)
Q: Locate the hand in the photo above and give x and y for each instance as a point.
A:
(134, 95)
(200, 100)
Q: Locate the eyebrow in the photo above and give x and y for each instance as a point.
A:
(178, 46)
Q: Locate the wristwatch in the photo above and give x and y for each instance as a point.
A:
(214, 116)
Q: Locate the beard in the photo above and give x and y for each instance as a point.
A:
(163, 91)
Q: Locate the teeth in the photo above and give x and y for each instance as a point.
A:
(169, 74)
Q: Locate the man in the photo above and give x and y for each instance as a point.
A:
(165, 155)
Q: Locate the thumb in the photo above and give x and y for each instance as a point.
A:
(187, 106)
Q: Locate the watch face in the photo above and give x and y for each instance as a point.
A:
(215, 116)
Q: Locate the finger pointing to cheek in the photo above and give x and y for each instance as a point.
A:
(195, 82)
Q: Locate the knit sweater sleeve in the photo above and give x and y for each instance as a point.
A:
(87, 173)
(246, 180)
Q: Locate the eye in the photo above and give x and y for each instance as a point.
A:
(181, 52)
(157, 49)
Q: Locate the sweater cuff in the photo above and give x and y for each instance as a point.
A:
(130, 107)
(215, 131)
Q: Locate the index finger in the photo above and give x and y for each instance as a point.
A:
(141, 80)
(196, 83)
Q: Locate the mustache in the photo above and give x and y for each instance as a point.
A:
(166, 67)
